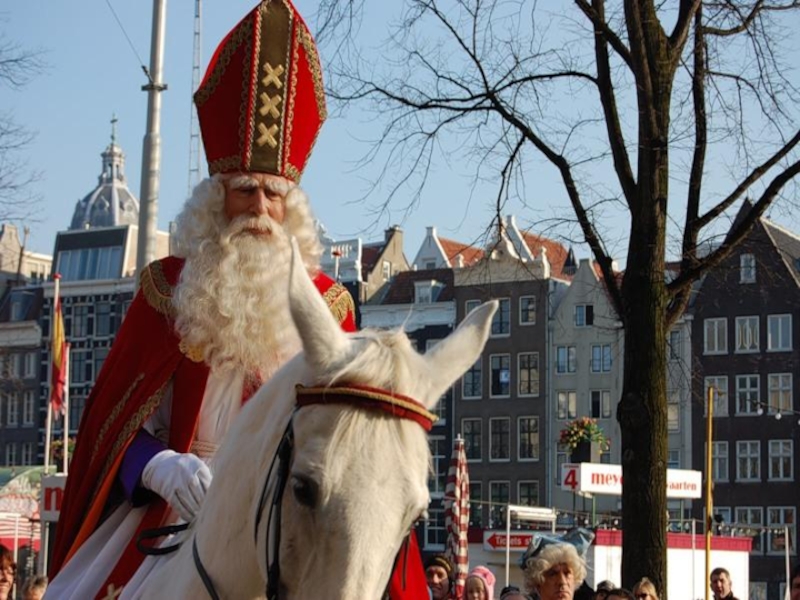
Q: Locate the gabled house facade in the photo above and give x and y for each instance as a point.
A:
(746, 348)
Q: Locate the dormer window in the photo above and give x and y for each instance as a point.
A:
(584, 315)
(426, 292)
(747, 268)
(386, 270)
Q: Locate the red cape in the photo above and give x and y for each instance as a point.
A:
(146, 355)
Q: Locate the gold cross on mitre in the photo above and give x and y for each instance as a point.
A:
(273, 75)
(267, 135)
(269, 104)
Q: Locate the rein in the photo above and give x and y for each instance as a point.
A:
(360, 396)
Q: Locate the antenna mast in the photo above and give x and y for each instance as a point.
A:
(194, 126)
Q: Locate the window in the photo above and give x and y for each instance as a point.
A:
(11, 454)
(498, 496)
(673, 459)
(476, 504)
(501, 321)
(601, 358)
(752, 515)
(720, 387)
(565, 359)
(386, 270)
(715, 336)
(584, 315)
(16, 365)
(102, 319)
(746, 334)
(780, 516)
(527, 310)
(437, 476)
(28, 408)
(472, 381)
(567, 407)
(90, 263)
(748, 394)
(719, 461)
(779, 333)
(747, 268)
(30, 364)
(100, 355)
(673, 410)
(471, 430)
(528, 437)
(601, 404)
(76, 404)
(780, 392)
(27, 454)
(528, 493)
(528, 369)
(674, 345)
(501, 374)
(80, 367)
(748, 461)
(80, 321)
(471, 305)
(500, 439)
(12, 418)
(780, 460)
(435, 532)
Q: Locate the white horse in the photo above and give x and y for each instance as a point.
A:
(357, 477)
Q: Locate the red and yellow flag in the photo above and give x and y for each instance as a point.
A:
(58, 375)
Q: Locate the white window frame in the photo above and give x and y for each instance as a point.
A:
(522, 300)
(581, 315)
(720, 384)
(673, 463)
(744, 516)
(750, 450)
(603, 362)
(535, 482)
(570, 404)
(570, 362)
(773, 533)
(673, 411)
(535, 393)
(748, 333)
(27, 454)
(748, 397)
(501, 319)
(747, 268)
(480, 437)
(715, 336)
(435, 526)
(538, 445)
(11, 454)
(12, 416)
(674, 344)
(780, 450)
(507, 458)
(500, 357)
(720, 462)
(437, 479)
(30, 365)
(498, 507)
(28, 408)
(604, 402)
(779, 385)
(476, 367)
(782, 325)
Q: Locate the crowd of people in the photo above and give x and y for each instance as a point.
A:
(557, 571)
(32, 589)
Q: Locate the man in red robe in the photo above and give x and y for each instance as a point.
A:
(209, 324)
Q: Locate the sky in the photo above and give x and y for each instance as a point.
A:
(93, 74)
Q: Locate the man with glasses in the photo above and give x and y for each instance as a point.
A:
(721, 584)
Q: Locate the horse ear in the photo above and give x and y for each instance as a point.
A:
(324, 342)
(451, 357)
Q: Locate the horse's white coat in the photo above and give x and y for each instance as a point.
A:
(367, 471)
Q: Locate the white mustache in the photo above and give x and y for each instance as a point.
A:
(249, 224)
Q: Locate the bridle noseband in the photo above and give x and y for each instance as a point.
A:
(359, 396)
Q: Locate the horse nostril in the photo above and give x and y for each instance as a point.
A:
(305, 490)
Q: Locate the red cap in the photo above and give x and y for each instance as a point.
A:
(261, 103)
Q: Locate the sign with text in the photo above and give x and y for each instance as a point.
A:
(496, 540)
(52, 496)
(597, 478)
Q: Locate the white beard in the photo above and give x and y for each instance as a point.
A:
(232, 299)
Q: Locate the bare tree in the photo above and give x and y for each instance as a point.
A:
(17, 198)
(686, 105)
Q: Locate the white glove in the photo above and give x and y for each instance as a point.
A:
(181, 479)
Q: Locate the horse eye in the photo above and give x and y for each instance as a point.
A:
(305, 490)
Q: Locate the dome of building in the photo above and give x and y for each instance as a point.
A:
(111, 203)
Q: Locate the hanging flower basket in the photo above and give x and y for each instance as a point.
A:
(584, 430)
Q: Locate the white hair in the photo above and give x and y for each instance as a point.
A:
(231, 299)
(550, 556)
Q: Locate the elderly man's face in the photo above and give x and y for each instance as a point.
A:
(558, 584)
(720, 585)
(438, 582)
(256, 194)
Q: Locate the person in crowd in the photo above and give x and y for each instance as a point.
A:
(210, 324)
(439, 575)
(794, 586)
(512, 592)
(721, 584)
(645, 590)
(34, 587)
(479, 584)
(554, 566)
(8, 573)
(620, 594)
(602, 590)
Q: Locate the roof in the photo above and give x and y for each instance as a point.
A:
(453, 249)
(401, 289)
(788, 244)
(369, 257)
(557, 253)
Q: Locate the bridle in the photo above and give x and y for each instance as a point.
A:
(360, 396)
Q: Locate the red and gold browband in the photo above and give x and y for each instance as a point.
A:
(396, 405)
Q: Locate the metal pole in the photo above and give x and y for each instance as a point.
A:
(709, 486)
(151, 146)
(508, 541)
(787, 550)
(65, 454)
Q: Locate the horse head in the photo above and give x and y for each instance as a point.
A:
(357, 482)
